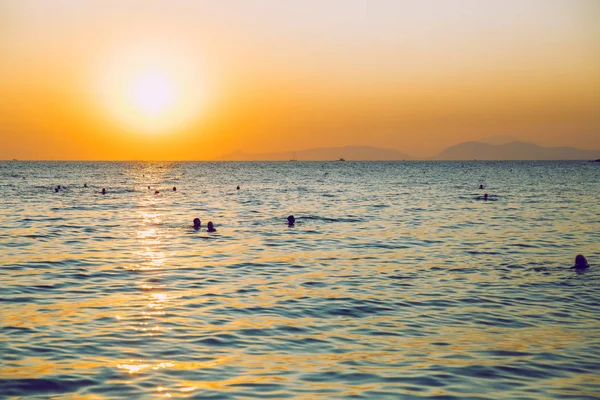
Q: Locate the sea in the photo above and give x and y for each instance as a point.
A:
(396, 281)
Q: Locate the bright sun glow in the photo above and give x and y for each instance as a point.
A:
(151, 90)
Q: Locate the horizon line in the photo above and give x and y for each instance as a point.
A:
(294, 161)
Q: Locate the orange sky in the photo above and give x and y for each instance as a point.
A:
(194, 80)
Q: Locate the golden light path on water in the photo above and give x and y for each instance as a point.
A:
(383, 291)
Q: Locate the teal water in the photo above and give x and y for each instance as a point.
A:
(395, 282)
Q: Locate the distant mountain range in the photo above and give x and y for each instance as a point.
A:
(367, 153)
(514, 150)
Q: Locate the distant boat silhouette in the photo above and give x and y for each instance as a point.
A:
(293, 157)
(341, 159)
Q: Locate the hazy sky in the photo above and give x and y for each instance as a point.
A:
(196, 79)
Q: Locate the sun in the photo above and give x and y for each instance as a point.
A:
(153, 92)
(150, 89)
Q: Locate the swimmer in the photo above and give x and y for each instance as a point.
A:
(238, 188)
(85, 185)
(291, 220)
(157, 192)
(480, 186)
(486, 197)
(211, 227)
(56, 190)
(580, 262)
(148, 187)
(174, 189)
(103, 190)
(196, 223)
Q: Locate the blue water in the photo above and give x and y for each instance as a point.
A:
(394, 283)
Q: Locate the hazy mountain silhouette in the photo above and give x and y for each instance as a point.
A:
(367, 153)
(514, 151)
(498, 139)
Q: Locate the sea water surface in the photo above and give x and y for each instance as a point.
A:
(395, 282)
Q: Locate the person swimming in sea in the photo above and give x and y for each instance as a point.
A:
(485, 197)
(196, 223)
(174, 189)
(480, 186)
(291, 220)
(85, 185)
(157, 192)
(103, 190)
(211, 227)
(580, 262)
(238, 188)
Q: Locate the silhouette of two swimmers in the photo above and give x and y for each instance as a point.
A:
(210, 226)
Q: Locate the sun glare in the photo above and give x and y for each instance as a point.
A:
(151, 90)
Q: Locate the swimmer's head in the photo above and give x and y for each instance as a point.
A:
(211, 227)
(85, 185)
(480, 186)
(238, 188)
(581, 262)
(291, 220)
(103, 190)
(485, 196)
(196, 223)
(157, 192)
(174, 189)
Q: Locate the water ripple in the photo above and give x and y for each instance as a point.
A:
(394, 282)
